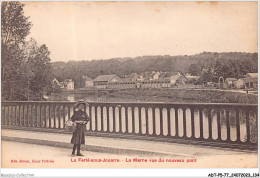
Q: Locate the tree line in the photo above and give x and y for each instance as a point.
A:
(209, 66)
(25, 66)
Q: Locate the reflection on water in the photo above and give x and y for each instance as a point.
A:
(93, 98)
(97, 98)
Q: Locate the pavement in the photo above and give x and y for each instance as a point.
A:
(104, 147)
(117, 146)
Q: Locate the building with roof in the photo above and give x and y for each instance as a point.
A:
(68, 84)
(248, 75)
(247, 83)
(178, 80)
(55, 81)
(250, 81)
(130, 78)
(145, 76)
(102, 81)
(240, 83)
(155, 75)
(231, 82)
(56, 84)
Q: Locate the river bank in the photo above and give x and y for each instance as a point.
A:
(158, 95)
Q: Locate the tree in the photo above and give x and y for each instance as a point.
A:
(195, 69)
(26, 68)
(39, 60)
(234, 68)
(11, 73)
(15, 27)
(207, 75)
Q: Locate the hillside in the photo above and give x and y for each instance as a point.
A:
(125, 66)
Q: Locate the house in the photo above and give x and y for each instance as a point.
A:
(164, 75)
(140, 78)
(88, 81)
(248, 83)
(68, 84)
(102, 81)
(178, 80)
(130, 78)
(251, 80)
(231, 82)
(155, 75)
(134, 77)
(145, 76)
(56, 84)
(240, 83)
(55, 81)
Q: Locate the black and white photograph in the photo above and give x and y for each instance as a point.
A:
(121, 84)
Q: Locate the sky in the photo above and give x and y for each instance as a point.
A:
(103, 30)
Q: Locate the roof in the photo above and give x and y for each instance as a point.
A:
(105, 78)
(174, 78)
(249, 79)
(154, 73)
(164, 74)
(55, 80)
(251, 75)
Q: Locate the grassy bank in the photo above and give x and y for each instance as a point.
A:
(174, 95)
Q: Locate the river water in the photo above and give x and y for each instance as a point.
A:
(96, 98)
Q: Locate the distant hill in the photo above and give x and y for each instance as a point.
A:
(125, 66)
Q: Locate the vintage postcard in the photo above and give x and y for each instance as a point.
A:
(129, 84)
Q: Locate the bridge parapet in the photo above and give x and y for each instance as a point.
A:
(216, 124)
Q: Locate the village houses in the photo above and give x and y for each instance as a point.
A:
(67, 84)
(156, 79)
(249, 81)
(144, 80)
